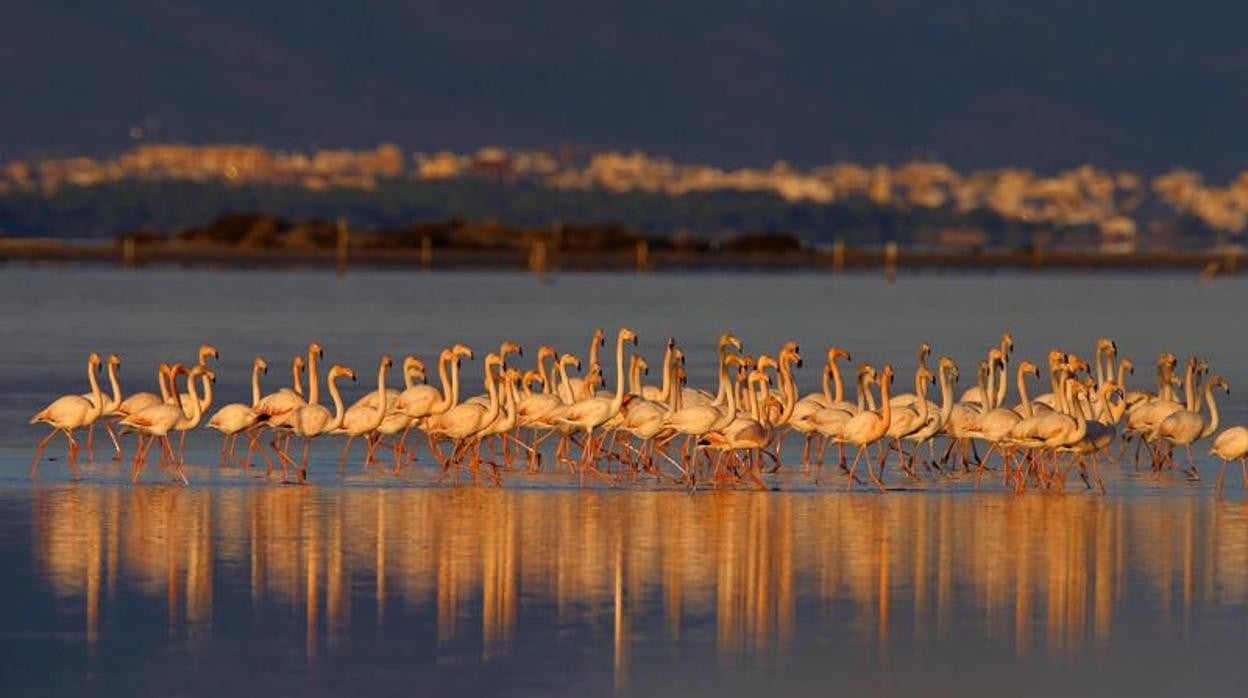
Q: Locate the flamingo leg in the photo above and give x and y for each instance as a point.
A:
(34, 468)
(849, 484)
(108, 428)
(303, 464)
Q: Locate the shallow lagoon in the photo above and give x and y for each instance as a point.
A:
(385, 585)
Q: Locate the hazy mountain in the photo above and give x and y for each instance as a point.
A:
(1141, 83)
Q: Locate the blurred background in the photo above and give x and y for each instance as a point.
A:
(967, 132)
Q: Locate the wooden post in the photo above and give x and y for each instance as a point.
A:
(426, 253)
(344, 239)
(890, 262)
(643, 255)
(537, 259)
(127, 252)
(838, 256)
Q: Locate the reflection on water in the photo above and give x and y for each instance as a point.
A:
(1047, 576)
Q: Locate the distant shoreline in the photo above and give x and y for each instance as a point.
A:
(31, 252)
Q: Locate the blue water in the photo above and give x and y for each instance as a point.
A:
(378, 584)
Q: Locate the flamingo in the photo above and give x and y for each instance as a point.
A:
(461, 422)
(238, 418)
(110, 409)
(1185, 427)
(157, 421)
(936, 418)
(363, 419)
(276, 408)
(591, 413)
(312, 420)
(577, 388)
(70, 412)
(868, 427)
(1230, 445)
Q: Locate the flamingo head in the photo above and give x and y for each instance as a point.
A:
(206, 351)
(1028, 368)
(387, 361)
(462, 350)
(627, 335)
(835, 353)
(260, 365)
(545, 352)
(114, 360)
(510, 348)
(1128, 366)
(412, 364)
(727, 339)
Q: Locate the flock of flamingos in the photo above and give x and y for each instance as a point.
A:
(671, 432)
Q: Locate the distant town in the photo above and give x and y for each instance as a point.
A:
(1114, 211)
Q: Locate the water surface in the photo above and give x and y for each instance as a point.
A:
(382, 585)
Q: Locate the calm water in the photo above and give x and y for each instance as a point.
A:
(368, 583)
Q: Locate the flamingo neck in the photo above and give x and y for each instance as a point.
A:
(946, 396)
(255, 385)
(445, 381)
(313, 381)
(491, 413)
(1189, 387)
(838, 384)
(453, 398)
(163, 379)
(753, 387)
(296, 378)
(196, 408)
(729, 413)
(541, 371)
(1024, 400)
(634, 377)
(618, 401)
(826, 379)
(722, 388)
(565, 383)
(1002, 381)
(383, 399)
(115, 385)
(97, 397)
(339, 412)
(666, 390)
(886, 408)
(789, 390)
(207, 401)
(1212, 426)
